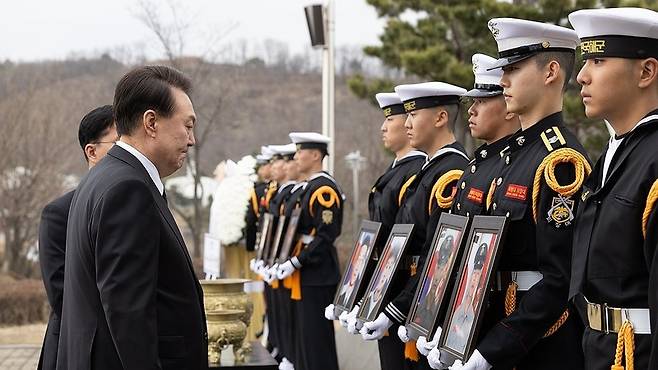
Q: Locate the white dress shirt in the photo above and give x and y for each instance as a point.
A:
(148, 165)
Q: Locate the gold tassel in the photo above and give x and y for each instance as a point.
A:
(410, 351)
(651, 200)
(625, 346)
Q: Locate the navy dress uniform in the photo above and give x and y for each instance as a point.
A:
(383, 204)
(315, 261)
(428, 190)
(536, 189)
(288, 306)
(614, 268)
(253, 209)
(473, 187)
(279, 295)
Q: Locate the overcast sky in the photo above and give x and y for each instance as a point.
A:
(45, 29)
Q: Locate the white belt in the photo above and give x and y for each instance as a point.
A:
(524, 279)
(307, 239)
(608, 319)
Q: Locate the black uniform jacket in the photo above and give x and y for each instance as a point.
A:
(131, 298)
(418, 203)
(321, 217)
(253, 213)
(471, 197)
(52, 248)
(544, 245)
(613, 262)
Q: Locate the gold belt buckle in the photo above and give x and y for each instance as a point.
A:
(594, 316)
(615, 319)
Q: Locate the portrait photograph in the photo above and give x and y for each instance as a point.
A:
(470, 292)
(357, 266)
(276, 241)
(440, 263)
(291, 232)
(384, 272)
(265, 227)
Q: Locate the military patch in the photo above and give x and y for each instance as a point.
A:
(327, 216)
(475, 195)
(516, 192)
(561, 211)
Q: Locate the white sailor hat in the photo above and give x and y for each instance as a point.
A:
(310, 140)
(487, 82)
(266, 152)
(519, 39)
(286, 151)
(390, 103)
(428, 94)
(261, 159)
(616, 32)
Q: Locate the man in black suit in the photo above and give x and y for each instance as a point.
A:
(131, 297)
(97, 134)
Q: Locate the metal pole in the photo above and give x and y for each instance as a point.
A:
(355, 196)
(328, 90)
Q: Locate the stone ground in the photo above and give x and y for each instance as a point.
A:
(353, 352)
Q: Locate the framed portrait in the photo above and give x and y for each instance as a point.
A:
(276, 241)
(265, 231)
(290, 236)
(351, 286)
(440, 263)
(478, 263)
(384, 271)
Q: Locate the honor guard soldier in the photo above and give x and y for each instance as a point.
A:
(280, 296)
(433, 110)
(614, 268)
(314, 264)
(536, 189)
(253, 211)
(490, 122)
(383, 204)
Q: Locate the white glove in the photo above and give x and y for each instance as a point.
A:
(352, 323)
(329, 312)
(424, 347)
(434, 359)
(476, 362)
(403, 334)
(285, 269)
(286, 365)
(270, 273)
(345, 316)
(252, 265)
(374, 330)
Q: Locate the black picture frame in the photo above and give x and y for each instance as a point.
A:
(351, 284)
(290, 236)
(478, 264)
(276, 241)
(265, 232)
(440, 265)
(384, 271)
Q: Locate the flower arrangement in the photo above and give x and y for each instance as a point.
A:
(231, 199)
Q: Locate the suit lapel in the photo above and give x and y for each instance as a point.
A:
(123, 155)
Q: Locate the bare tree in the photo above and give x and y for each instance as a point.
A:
(209, 94)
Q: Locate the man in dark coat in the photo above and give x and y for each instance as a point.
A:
(96, 134)
(131, 297)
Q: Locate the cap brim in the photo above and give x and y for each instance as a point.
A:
(504, 62)
(479, 93)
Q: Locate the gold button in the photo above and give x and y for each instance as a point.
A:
(473, 169)
(463, 185)
(499, 181)
(507, 160)
(459, 206)
(468, 214)
(494, 206)
(507, 214)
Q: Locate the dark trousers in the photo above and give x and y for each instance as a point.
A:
(314, 340)
(391, 350)
(270, 311)
(599, 349)
(285, 323)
